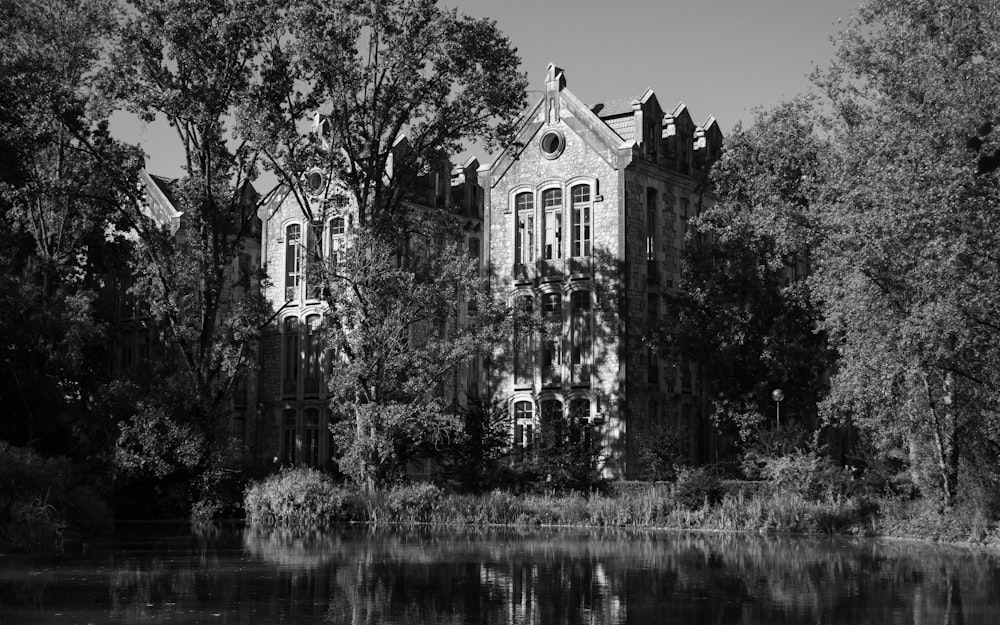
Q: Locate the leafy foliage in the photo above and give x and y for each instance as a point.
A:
(60, 173)
(907, 269)
(741, 314)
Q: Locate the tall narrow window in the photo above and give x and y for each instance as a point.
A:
(338, 241)
(552, 217)
(650, 224)
(524, 349)
(579, 415)
(310, 442)
(313, 255)
(290, 374)
(524, 236)
(580, 200)
(524, 423)
(685, 209)
(314, 355)
(289, 438)
(580, 336)
(551, 422)
(552, 341)
(293, 261)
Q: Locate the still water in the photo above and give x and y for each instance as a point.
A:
(172, 574)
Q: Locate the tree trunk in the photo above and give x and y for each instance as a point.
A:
(946, 443)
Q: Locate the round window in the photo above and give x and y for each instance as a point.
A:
(552, 144)
(315, 182)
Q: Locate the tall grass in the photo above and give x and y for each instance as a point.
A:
(307, 498)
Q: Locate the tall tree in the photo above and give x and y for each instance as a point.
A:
(376, 71)
(742, 314)
(192, 63)
(60, 177)
(908, 269)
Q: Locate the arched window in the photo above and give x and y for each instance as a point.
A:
(289, 437)
(338, 240)
(314, 355)
(524, 345)
(293, 261)
(580, 337)
(290, 368)
(310, 443)
(524, 423)
(552, 224)
(524, 233)
(580, 203)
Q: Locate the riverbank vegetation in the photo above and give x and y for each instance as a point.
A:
(804, 500)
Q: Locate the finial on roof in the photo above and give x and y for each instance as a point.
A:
(555, 80)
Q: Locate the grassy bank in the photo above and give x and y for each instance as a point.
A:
(307, 499)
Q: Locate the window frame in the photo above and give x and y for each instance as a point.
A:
(552, 222)
(524, 227)
(581, 239)
(294, 260)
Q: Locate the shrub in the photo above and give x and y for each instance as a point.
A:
(42, 499)
(808, 474)
(697, 487)
(298, 497)
(411, 503)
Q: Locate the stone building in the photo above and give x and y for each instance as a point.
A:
(292, 377)
(586, 215)
(138, 347)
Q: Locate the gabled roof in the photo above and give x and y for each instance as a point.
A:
(623, 125)
(584, 121)
(160, 205)
(614, 108)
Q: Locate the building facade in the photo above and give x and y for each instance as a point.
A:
(586, 217)
(316, 227)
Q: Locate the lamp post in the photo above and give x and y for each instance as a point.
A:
(777, 395)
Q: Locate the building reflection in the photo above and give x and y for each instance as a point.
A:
(508, 578)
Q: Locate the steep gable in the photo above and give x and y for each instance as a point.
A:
(559, 105)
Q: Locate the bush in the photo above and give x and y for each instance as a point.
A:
(810, 475)
(697, 487)
(298, 497)
(411, 503)
(42, 499)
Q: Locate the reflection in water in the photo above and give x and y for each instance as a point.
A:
(498, 577)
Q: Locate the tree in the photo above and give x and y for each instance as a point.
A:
(376, 71)
(737, 315)
(192, 63)
(60, 177)
(907, 269)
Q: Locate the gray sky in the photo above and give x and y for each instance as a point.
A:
(720, 57)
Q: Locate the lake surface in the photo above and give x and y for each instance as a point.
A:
(172, 574)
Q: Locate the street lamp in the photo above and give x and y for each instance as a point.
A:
(777, 395)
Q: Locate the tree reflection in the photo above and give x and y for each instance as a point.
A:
(506, 577)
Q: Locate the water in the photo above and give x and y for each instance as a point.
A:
(169, 574)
